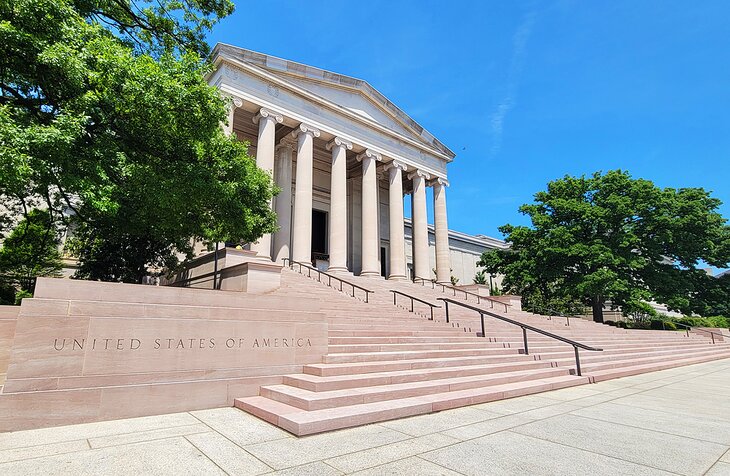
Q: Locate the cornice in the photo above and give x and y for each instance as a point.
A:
(259, 71)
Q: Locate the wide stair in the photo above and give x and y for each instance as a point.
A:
(385, 362)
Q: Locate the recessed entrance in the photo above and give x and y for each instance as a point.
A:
(319, 235)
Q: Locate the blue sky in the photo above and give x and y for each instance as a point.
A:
(527, 91)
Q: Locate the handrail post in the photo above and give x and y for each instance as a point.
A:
(712, 334)
(484, 332)
(447, 311)
(394, 297)
(431, 313)
(411, 304)
(524, 339)
(577, 360)
(367, 297)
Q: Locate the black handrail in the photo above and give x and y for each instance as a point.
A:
(479, 297)
(330, 276)
(413, 298)
(689, 328)
(525, 328)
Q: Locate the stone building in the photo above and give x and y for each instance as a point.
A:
(344, 156)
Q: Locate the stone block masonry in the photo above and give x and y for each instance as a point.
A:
(87, 351)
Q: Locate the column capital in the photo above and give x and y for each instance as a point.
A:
(263, 112)
(339, 142)
(305, 129)
(419, 173)
(369, 154)
(236, 102)
(394, 164)
(286, 143)
(439, 181)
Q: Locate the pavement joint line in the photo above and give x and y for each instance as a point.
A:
(596, 453)
(653, 430)
(42, 456)
(716, 461)
(206, 456)
(333, 467)
(147, 440)
(233, 442)
(439, 465)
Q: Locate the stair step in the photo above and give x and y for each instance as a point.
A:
(309, 400)
(300, 422)
(317, 383)
(640, 368)
(412, 364)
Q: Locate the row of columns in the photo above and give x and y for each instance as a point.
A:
(300, 246)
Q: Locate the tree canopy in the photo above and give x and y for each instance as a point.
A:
(611, 238)
(30, 250)
(104, 110)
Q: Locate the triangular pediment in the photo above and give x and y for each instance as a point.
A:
(351, 94)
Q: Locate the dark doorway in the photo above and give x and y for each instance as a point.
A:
(382, 262)
(319, 233)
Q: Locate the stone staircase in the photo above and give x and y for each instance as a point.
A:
(385, 362)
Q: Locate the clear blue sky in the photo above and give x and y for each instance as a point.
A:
(528, 91)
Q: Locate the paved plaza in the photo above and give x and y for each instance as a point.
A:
(670, 422)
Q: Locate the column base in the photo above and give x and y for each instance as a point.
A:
(399, 277)
(370, 274)
(338, 270)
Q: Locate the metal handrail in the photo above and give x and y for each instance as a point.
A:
(413, 298)
(330, 276)
(525, 327)
(696, 329)
(479, 297)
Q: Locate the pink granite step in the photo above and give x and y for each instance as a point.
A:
(317, 383)
(309, 400)
(300, 422)
(411, 364)
(384, 362)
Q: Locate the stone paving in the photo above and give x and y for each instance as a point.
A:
(670, 422)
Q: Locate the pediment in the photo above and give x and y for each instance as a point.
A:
(352, 94)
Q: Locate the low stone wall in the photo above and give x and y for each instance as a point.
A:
(88, 351)
(8, 320)
(237, 270)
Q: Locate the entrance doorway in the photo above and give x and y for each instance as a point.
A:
(319, 236)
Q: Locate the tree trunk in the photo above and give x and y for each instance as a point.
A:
(597, 309)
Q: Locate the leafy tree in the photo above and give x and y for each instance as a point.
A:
(30, 250)
(480, 277)
(609, 237)
(104, 110)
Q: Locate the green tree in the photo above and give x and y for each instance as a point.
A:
(609, 237)
(480, 277)
(29, 251)
(104, 110)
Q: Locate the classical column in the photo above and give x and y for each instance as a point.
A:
(228, 125)
(370, 239)
(302, 224)
(420, 225)
(265, 145)
(338, 204)
(441, 228)
(397, 239)
(282, 238)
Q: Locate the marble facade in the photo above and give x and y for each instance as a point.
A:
(344, 156)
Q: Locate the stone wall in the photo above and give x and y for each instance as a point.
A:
(87, 351)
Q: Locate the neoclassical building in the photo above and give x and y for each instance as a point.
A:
(344, 156)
